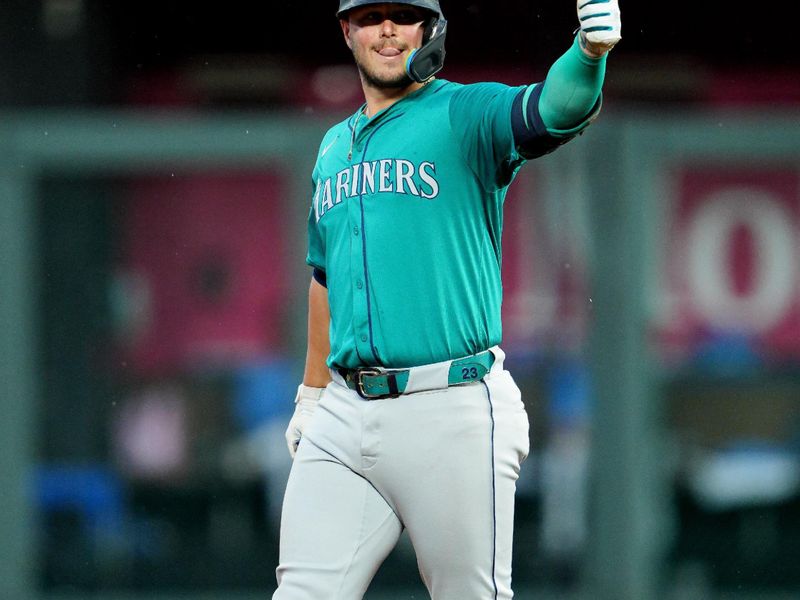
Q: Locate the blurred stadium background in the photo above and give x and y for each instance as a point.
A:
(154, 175)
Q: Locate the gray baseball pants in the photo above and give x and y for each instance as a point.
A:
(442, 464)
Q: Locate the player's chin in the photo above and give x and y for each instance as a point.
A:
(386, 78)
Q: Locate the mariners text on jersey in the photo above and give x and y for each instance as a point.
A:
(385, 176)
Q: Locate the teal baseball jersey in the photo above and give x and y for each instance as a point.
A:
(406, 223)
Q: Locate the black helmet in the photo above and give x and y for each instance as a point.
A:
(423, 63)
(431, 5)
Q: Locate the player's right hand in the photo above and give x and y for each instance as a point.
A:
(600, 25)
(305, 402)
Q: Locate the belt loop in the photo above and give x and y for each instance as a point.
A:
(499, 359)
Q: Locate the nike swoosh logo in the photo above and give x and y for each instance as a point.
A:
(329, 146)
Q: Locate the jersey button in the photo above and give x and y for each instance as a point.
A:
(363, 338)
(359, 284)
(356, 230)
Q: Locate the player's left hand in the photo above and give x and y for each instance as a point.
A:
(305, 402)
(601, 25)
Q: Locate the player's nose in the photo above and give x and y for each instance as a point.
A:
(388, 28)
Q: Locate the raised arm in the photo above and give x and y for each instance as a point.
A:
(572, 88)
(549, 114)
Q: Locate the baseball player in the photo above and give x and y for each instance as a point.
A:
(406, 418)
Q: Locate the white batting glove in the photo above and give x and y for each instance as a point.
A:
(305, 402)
(601, 25)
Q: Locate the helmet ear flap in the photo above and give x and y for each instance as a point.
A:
(425, 62)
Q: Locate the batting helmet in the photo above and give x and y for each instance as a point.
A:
(431, 5)
(424, 62)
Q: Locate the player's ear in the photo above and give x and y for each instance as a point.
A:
(345, 23)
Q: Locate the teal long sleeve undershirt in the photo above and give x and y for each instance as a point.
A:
(572, 88)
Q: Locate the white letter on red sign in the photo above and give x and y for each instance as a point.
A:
(709, 237)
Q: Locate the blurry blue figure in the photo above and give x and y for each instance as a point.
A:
(568, 394)
(93, 492)
(262, 406)
(564, 467)
(94, 496)
(263, 391)
(728, 354)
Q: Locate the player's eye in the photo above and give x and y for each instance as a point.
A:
(406, 16)
(372, 17)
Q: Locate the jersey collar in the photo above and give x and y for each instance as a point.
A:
(359, 116)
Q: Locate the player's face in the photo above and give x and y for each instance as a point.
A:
(381, 37)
